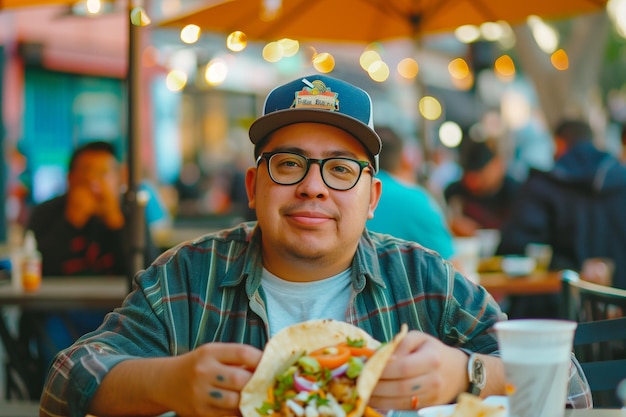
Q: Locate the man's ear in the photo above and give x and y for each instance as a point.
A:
(375, 193)
(251, 186)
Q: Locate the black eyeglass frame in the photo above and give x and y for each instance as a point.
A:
(362, 165)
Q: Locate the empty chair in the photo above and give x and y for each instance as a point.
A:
(600, 339)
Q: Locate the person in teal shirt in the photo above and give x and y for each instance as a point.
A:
(407, 210)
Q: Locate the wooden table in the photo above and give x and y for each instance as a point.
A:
(501, 284)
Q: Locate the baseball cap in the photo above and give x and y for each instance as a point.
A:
(320, 99)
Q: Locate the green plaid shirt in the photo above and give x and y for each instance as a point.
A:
(209, 290)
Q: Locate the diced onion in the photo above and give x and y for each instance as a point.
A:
(295, 407)
(339, 371)
(302, 384)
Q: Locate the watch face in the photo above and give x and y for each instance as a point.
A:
(478, 372)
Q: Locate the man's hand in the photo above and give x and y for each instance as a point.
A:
(204, 382)
(209, 379)
(422, 372)
(89, 199)
(81, 205)
(109, 209)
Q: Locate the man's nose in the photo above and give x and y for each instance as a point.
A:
(313, 184)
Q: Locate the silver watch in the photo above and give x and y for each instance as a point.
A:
(476, 374)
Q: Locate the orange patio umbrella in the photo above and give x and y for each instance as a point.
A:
(368, 20)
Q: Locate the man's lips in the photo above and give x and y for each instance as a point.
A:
(308, 217)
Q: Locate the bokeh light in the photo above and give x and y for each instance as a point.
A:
(450, 134)
(237, 41)
(491, 31)
(546, 36)
(367, 58)
(458, 68)
(190, 34)
(176, 80)
(290, 47)
(324, 62)
(408, 68)
(378, 71)
(429, 108)
(93, 6)
(272, 52)
(467, 33)
(560, 60)
(504, 68)
(216, 71)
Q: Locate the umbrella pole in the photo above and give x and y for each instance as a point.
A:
(135, 205)
(423, 132)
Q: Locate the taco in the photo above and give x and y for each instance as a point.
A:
(323, 368)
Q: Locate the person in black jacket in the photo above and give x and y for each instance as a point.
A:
(579, 208)
(82, 231)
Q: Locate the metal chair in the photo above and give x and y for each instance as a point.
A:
(600, 338)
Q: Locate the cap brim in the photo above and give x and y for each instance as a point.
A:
(267, 124)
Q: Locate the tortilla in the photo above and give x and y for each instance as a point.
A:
(290, 343)
(469, 405)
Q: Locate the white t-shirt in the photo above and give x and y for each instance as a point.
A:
(293, 302)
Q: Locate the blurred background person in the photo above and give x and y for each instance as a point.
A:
(407, 210)
(482, 197)
(81, 232)
(577, 208)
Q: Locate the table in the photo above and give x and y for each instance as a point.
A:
(540, 282)
(68, 293)
(55, 295)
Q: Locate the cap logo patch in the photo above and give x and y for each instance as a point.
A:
(316, 96)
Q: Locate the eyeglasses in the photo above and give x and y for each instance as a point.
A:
(288, 168)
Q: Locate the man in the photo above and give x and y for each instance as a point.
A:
(405, 209)
(82, 231)
(577, 208)
(189, 336)
(482, 198)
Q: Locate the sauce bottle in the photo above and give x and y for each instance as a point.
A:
(31, 263)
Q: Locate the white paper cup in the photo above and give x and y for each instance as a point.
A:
(536, 355)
